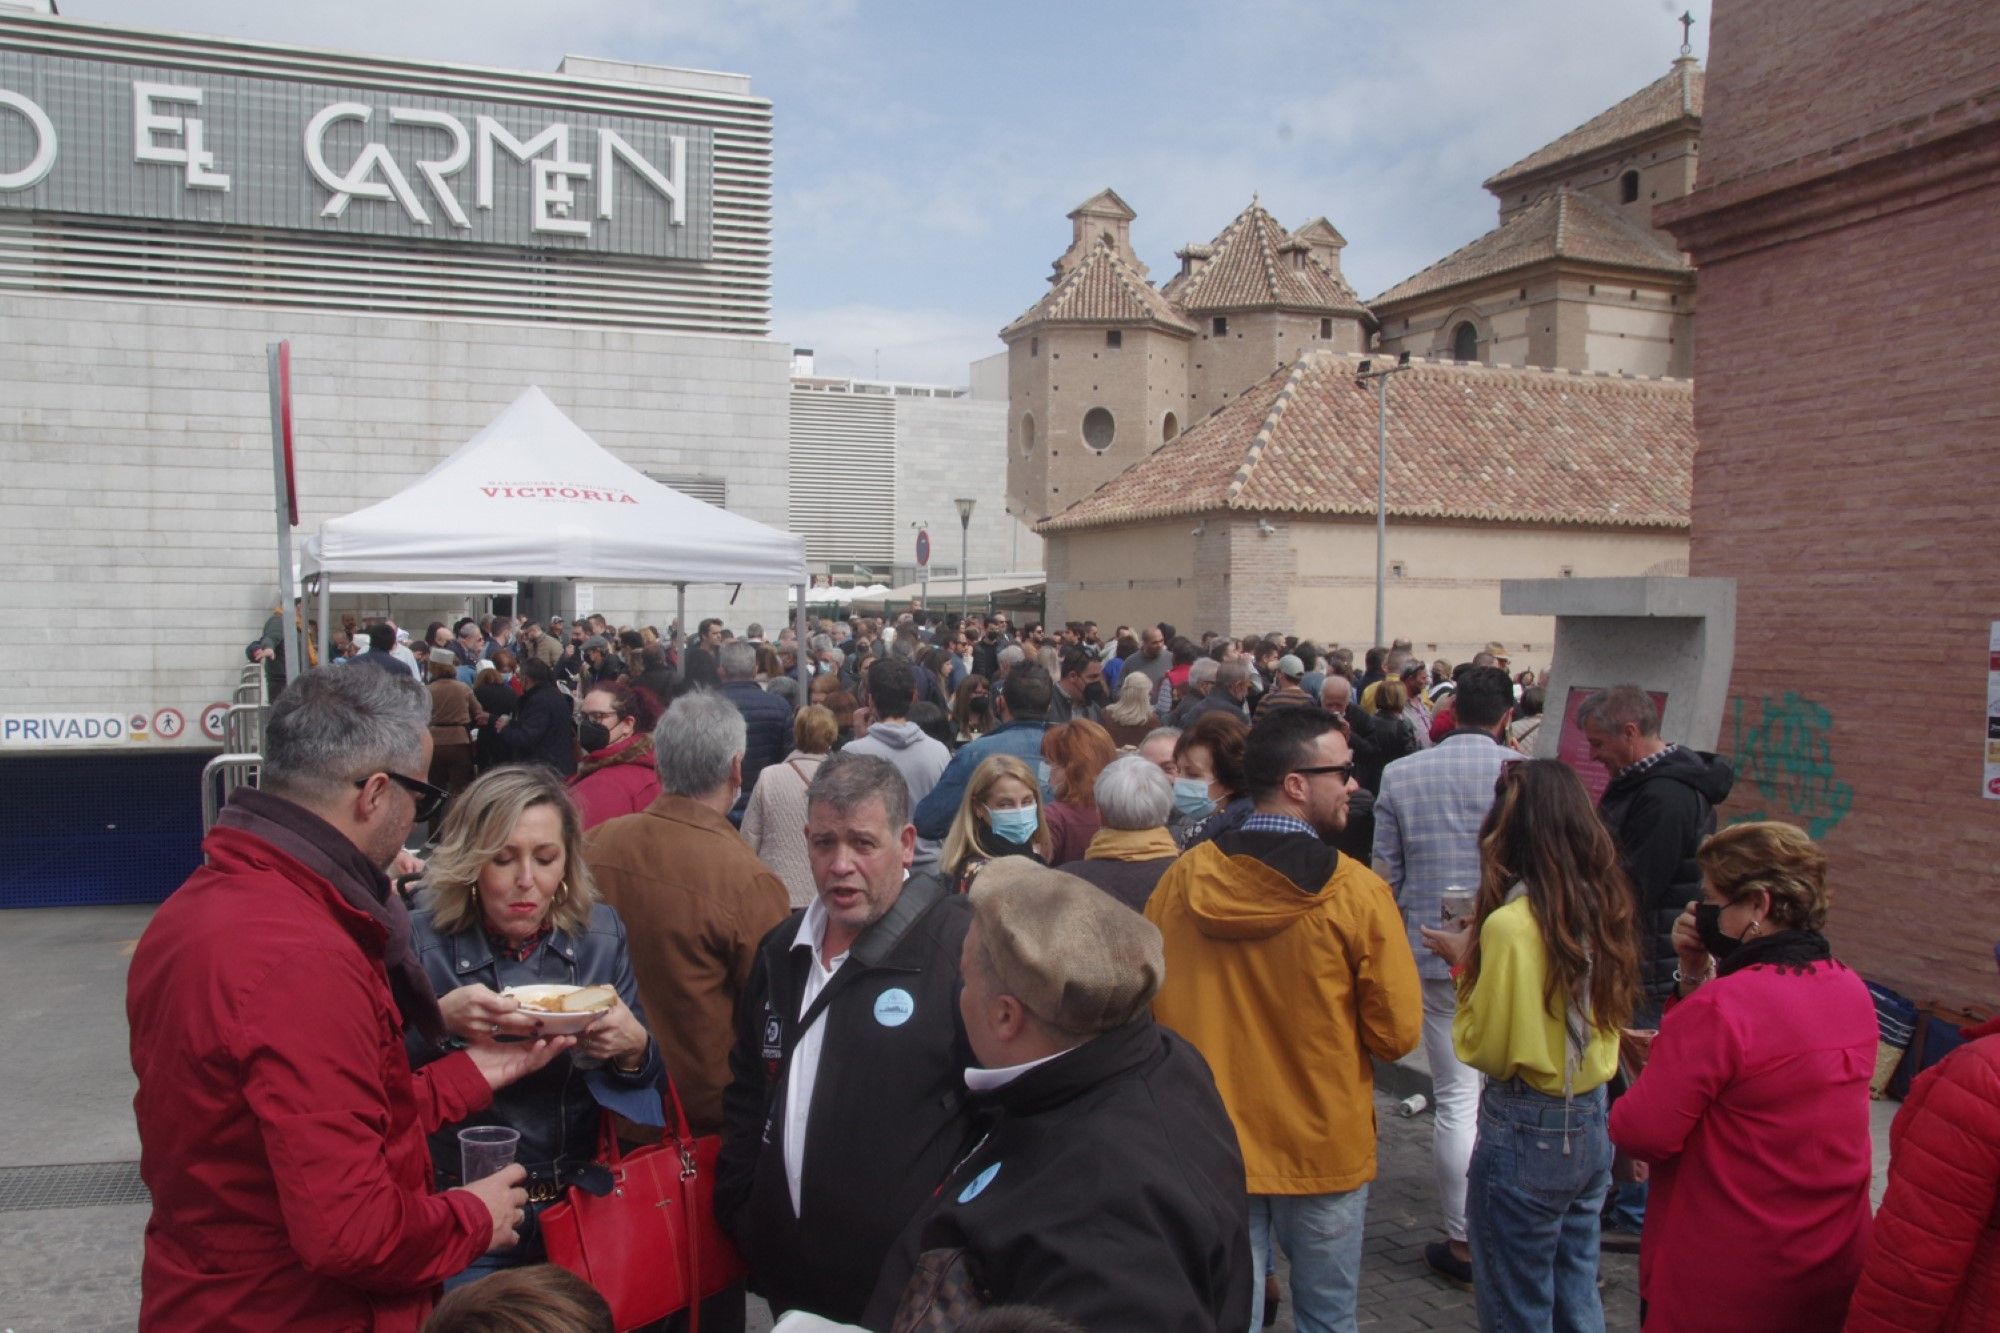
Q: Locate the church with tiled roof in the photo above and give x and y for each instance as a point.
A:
(1202, 448)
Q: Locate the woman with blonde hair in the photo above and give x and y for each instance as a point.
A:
(1001, 815)
(1077, 752)
(1130, 718)
(1752, 1108)
(510, 902)
(774, 823)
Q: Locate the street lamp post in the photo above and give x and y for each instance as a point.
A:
(964, 544)
(1381, 378)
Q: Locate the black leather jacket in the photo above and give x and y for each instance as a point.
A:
(552, 1107)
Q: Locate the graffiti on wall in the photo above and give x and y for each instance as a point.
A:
(1787, 758)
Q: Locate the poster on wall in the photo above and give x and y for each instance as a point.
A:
(1573, 747)
(1991, 787)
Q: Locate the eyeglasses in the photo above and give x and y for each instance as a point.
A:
(602, 719)
(426, 797)
(1346, 770)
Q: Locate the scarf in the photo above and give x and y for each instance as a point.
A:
(327, 852)
(1117, 844)
(1786, 950)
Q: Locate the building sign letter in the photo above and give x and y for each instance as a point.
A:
(187, 153)
(358, 182)
(45, 143)
(610, 145)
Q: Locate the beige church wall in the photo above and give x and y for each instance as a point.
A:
(1027, 461)
(1446, 600)
(1135, 575)
(1631, 337)
(1224, 365)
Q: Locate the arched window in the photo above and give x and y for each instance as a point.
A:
(1169, 428)
(1628, 188)
(1099, 429)
(1027, 434)
(1465, 342)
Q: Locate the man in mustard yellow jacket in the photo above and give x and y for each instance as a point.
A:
(1288, 968)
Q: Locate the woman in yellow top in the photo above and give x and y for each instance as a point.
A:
(1547, 976)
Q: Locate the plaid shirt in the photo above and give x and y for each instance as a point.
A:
(1276, 824)
(1427, 818)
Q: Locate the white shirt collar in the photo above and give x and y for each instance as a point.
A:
(987, 1080)
(812, 935)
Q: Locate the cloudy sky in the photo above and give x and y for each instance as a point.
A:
(929, 149)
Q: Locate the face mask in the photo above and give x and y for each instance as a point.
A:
(1191, 798)
(593, 736)
(1708, 921)
(1095, 693)
(1015, 826)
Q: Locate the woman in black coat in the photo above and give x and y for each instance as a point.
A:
(543, 728)
(497, 700)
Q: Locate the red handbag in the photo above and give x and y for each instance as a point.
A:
(651, 1246)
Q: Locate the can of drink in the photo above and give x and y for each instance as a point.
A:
(1413, 1105)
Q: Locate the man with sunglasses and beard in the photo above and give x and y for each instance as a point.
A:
(281, 1129)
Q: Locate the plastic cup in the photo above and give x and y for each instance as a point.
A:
(485, 1149)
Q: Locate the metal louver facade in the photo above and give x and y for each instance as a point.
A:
(728, 292)
(843, 449)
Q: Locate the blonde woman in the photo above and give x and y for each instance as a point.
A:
(774, 823)
(1130, 718)
(1001, 815)
(510, 902)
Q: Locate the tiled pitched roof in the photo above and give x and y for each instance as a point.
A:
(1561, 225)
(1102, 288)
(1666, 101)
(1465, 442)
(1257, 266)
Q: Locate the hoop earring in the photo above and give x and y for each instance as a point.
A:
(562, 890)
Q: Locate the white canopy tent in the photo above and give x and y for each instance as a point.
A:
(533, 497)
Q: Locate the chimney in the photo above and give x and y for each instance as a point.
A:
(802, 362)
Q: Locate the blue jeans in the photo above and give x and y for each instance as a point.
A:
(1539, 1175)
(1626, 1208)
(1321, 1235)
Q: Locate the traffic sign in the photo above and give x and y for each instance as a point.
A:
(923, 546)
(168, 724)
(212, 720)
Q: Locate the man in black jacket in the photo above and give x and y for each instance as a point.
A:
(543, 727)
(1109, 1189)
(846, 1104)
(766, 717)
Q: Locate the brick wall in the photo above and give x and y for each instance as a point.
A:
(1848, 405)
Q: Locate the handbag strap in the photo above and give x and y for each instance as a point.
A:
(683, 1137)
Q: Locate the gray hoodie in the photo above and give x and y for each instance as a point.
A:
(920, 758)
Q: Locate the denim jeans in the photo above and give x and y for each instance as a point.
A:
(1626, 1208)
(1321, 1235)
(1539, 1175)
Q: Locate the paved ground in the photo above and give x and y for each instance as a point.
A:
(67, 1098)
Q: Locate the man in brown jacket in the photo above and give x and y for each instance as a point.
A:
(695, 898)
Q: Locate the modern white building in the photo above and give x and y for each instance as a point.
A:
(431, 239)
(876, 461)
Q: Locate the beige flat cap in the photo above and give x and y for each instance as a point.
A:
(1080, 960)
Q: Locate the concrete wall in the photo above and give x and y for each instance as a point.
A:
(951, 447)
(1841, 492)
(136, 529)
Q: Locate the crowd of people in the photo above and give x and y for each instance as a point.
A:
(1028, 980)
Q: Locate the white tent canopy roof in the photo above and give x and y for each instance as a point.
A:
(533, 497)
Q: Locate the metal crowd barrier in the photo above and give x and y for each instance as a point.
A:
(222, 775)
(242, 743)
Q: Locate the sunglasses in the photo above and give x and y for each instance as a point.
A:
(1346, 770)
(426, 797)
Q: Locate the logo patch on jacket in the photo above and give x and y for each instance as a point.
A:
(774, 1036)
(893, 1008)
(978, 1184)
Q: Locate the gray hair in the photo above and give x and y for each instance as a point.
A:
(1132, 793)
(1203, 671)
(737, 660)
(821, 643)
(846, 781)
(1230, 673)
(1012, 655)
(1610, 710)
(695, 742)
(1161, 734)
(1336, 681)
(340, 723)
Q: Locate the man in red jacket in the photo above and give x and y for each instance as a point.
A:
(281, 1128)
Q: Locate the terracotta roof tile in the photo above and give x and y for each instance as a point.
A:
(1102, 288)
(1256, 265)
(1666, 101)
(1562, 225)
(1465, 442)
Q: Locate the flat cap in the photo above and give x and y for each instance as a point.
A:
(1077, 958)
(598, 642)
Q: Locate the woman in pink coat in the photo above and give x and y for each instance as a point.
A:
(617, 774)
(1753, 1107)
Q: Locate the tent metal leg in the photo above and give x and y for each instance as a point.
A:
(680, 630)
(799, 631)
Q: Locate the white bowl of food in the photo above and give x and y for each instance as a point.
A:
(564, 1010)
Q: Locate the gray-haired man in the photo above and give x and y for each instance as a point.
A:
(846, 1105)
(281, 1128)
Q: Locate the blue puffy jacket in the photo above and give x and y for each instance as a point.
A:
(1023, 740)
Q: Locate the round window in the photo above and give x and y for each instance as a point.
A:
(1027, 435)
(1099, 429)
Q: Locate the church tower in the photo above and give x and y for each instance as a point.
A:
(1097, 370)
